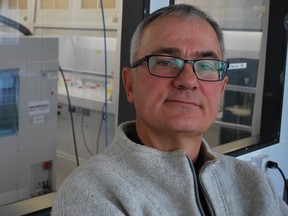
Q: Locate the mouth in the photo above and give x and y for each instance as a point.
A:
(183, 102)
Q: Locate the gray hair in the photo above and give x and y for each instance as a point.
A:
(181, 10)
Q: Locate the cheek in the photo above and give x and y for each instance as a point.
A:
(148, 93)
(213, 97)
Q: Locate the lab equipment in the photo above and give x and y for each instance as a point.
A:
(28, 115)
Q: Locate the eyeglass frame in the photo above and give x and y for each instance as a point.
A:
(191, 62)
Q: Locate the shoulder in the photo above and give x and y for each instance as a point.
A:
(236, 165)
(231, 179)
(226, 163)
(231, 172)
(87, 188)
(86, 175)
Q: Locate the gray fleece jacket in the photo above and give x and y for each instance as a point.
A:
(132, 179)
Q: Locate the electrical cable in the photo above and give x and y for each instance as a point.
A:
(106, 76)
(274, 165)
(98, 136)
(100, 129)
(83, 136)
(71, 117)
(13, 24)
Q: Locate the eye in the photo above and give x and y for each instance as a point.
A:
(165, 62)
(205, 66)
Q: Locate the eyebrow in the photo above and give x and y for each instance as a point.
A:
(206, 54)
(177, 52)
(168, 50)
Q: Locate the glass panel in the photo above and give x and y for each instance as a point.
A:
(243, 36)
(46, 4)
(61, 4)
(239, 100)
(23, 4)
(12, 4)
(108, 4)
(89, 4)
(9, 93)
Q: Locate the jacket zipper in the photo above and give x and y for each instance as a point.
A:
(204, 190)
(196, 188)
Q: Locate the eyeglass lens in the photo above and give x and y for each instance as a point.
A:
(165, 66)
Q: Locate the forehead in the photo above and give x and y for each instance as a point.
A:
(187, 36)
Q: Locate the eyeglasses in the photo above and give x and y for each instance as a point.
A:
(211, 70)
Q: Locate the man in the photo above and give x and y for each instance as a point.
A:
(159, 164)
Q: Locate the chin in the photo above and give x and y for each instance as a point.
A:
(185, 127)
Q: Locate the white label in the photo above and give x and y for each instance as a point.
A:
(241, 65)
(39, 107)
(38, 119)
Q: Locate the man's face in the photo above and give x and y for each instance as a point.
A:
(175, 105)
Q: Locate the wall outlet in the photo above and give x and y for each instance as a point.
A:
(260, 161)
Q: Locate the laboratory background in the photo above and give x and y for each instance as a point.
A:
(62, 98)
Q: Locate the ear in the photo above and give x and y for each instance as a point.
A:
(127, 78)
(225, 81)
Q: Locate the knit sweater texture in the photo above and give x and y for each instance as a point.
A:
(132, 179)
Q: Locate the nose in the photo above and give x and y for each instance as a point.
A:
(187, 78)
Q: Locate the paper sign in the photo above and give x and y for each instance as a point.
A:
(39, 107)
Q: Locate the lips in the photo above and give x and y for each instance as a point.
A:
(184, 102)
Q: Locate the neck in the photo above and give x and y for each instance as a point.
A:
(169, 141)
